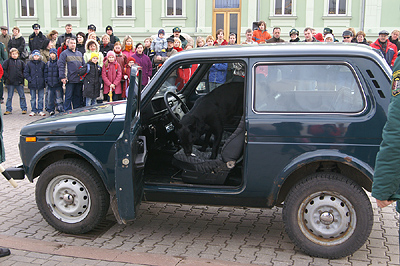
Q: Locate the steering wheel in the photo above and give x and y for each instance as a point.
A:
(178, 109)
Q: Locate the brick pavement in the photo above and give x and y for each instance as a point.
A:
(173, 233)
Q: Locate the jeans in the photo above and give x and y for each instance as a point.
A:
(22, 101)
(90, 101)
(73, 96)
(39, 107)
(55, 99)
(1, 89)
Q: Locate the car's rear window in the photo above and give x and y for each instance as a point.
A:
(299, 88)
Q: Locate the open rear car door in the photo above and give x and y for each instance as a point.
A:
(130, 154)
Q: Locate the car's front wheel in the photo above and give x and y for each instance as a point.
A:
(71, 196)
(328, 215)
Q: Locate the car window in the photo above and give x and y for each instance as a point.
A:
(321, 88)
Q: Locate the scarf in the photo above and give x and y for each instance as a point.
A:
(128, 47)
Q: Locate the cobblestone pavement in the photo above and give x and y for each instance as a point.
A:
(173, 232)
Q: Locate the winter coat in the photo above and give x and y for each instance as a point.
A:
(274, 40)
(295, 40)
(218, 72)
(13, 71)
(88, 53)
(121, 59)
(113, 38)
(390, 54)
(34, 74)
(144, 61)
(112, 74)
(224, 42)
(313, 40)
(45, 55)
(92, 81)
(159, 44)
(260, 36)
(72, 61)
(1, 71)
(178, 49)
(5, 39)
(61, 49)
(36, 41)
(105, 49)
(386, 183)
(61, 38)
(128, 53)
(17, 42)
(80, 48)
(395, 42)
(3, 53)
(170, 52)
(363, 42)
(51, 74)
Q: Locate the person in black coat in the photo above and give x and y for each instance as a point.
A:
(36, 39)
(34, 74)
(92, 79)
(80, 42)
(106, 45)
(17, 41)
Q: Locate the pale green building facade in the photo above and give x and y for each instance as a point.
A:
(144, 18)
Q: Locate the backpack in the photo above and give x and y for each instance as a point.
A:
(81, 78)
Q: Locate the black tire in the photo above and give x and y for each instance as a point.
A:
(328, 215)
(71, 196)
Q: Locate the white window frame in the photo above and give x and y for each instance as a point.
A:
(283, 8)
(124, 16)
(27, 10)
(348, 9)
(70, 9)
(174, 4)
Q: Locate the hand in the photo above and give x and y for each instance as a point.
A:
(126, 77)
(383, 203)
(112, 86)
(64, 81)
(158, 57)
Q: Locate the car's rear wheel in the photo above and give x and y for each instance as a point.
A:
(328, 215)
(71, 196)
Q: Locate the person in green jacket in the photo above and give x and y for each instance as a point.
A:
(386, 183)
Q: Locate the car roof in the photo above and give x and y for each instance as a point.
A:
(281, 49)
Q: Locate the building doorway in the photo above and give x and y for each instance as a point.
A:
(226, 16)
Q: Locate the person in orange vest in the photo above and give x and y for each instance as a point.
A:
(261, 34)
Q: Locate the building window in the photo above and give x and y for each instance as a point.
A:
(124, 8)
(337, 7)
(27, 8)
(283, 7)
(174, 8)
(70, 8)
(227, 3)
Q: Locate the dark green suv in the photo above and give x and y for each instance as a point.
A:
(306, 139)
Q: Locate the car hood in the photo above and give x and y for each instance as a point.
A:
(90, 120)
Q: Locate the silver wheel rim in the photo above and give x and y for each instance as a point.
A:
(327, 218)
(68, 199)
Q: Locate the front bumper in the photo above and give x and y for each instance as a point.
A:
(16, 172)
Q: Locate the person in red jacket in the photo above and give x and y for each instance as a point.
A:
(388, 49)
(112, 75)
(220, 38)
(261, 34)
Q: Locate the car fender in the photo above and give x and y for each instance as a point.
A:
(52, 147)
(313, 156)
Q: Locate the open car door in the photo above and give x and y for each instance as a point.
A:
(130, 154)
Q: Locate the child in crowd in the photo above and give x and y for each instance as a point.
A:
(54, 85)
(112, 74)
(178, 44)
(127, 75)
(34, 74)
(92, 46)
(14, 77)
(121, 58)
(159, 45)
(92, 80)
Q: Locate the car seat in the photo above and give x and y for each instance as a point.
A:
(199, 169)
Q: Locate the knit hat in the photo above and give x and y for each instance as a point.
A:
(161, 31)
(131, 59)
(319, 37)
(53, 51)
(329, 36)
(109, 28)
(110, 53)
(35, 52)
(94, 55)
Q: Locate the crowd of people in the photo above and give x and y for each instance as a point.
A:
(73, 69)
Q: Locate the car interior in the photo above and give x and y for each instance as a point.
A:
(166, 163)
